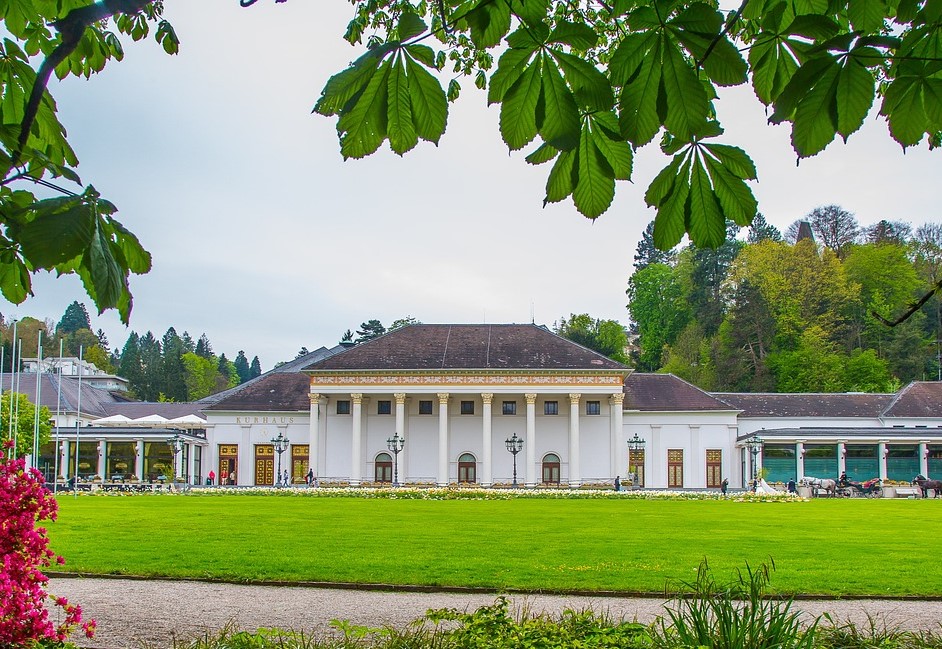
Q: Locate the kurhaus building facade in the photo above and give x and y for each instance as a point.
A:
(455, 395)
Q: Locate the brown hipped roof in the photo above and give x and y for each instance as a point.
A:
(918, 399)
(468, 347)
(764, 404)
(667, 392)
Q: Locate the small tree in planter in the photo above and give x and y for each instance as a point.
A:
(24, 553)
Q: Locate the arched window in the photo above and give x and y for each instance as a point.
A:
(551, 468)
(384, 468)
(467, 468)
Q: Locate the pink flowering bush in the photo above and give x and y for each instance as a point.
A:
(24, 619)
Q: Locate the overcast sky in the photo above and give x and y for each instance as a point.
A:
(267, 241)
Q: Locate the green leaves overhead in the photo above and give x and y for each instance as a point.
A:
(386, 94)
(588, 84)
(702, 188)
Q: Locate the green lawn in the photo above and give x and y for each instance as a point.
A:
(860, 547)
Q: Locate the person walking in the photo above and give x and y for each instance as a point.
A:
(212, 477)
(617, 483)
(724, 486)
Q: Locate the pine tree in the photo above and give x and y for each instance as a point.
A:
(255, 369)
(369, 330)
(74, 318)
(150, 384)
(647, 253)
(131, 367)
(242, 367)
(203, 347)
(172, 371)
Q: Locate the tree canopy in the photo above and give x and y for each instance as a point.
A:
(584, 85)
(74, 232)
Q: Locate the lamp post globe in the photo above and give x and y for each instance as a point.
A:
(514, 444)
(395, 444)
(280, 445)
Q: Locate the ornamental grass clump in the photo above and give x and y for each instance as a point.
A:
(24, 551)
(735, 615)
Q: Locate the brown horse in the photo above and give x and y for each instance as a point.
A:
(926, 485)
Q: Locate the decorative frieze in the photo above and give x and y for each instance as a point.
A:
(467, 379)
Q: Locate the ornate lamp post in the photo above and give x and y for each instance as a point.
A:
(395, 444)
(176, 445)
(754, 445)
(635, 444)
(514, 445)
(281, 445)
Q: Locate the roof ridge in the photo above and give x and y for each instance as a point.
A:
(445, 351)
(487, 354)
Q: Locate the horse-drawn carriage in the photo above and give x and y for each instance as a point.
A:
(872, 488)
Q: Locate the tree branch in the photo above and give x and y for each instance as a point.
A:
(70, 28)
(912, 309)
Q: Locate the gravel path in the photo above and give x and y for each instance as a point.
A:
(136, 614)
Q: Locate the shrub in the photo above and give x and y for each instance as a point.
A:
(24, 551)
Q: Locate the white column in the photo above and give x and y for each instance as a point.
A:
(652, 477)
(401, 431)
(616, 418)
(881, 457)
(102, 458)
(529, 444)
(442, 439)
(799, 460)
(924, 458)
(65, 468)
(313, 428)
(841, 457)
(487, 443)
(575, 473)
(356, 470)
(139, 464)
(191, 463)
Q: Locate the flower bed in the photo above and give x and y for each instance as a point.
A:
(477, 493)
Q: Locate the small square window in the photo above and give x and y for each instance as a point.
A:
(509, 408)
(383, 407)
(467, 407)
(343, 407)
(593, 407)
(550, 407)
(425, 407)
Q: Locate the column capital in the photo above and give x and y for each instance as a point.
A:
(400, 398)
(487, 397)
(443, 398)
(574, 398)
(531, 398)
(357, 397)
(315, 398)
(617, 399)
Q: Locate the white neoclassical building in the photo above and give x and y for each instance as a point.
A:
(455, 395)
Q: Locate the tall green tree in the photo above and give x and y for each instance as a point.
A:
(255, 368)
(17, 413)
(607, 337)
(73, 231)
(660, 308)
(369, 330)
(648, 253)
(201, 376)
(203, 347)
(131, 366)
(74, 318)
(241, 364)
(151, 384)
(172, 372)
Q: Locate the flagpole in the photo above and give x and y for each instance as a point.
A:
(78, 418)
(38, 397)
(16, 410)
(12, 452)
(55, 484)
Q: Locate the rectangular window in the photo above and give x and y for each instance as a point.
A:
(550, 407)
(509, 408)
(425, 407)
(384, 407)
(467, 407)
(343, 407)
(593, 407)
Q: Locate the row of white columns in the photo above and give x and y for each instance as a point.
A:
(575, 477)
(842, 458)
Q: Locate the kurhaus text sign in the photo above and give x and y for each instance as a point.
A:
(264, 419)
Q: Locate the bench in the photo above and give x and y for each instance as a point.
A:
(908, 492)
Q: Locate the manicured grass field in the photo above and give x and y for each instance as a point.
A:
(835, 547)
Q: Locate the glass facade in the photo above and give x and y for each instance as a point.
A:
(821, 461)
(862, 462)
(902, 462)
(158, 462)
(780, 461)
(122, 460)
